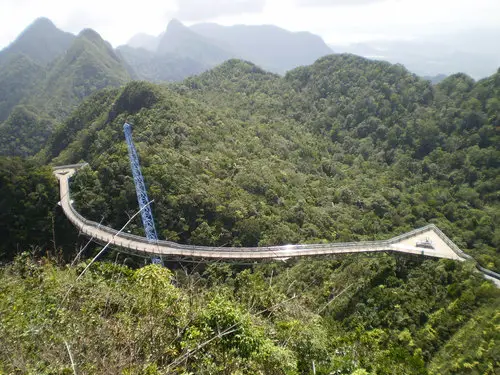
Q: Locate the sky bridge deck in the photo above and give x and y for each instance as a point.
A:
(409, 243)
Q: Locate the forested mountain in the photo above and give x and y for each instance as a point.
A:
(89, 65)
(24, 132)
(36, 96)
(270, 47)
(18, 76)
(47, 72)
(22, 62)
(203, 46)
(42, 42)
(346, 149)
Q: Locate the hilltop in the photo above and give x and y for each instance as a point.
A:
(35, 96)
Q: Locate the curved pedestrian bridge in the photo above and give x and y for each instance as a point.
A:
(428, 241)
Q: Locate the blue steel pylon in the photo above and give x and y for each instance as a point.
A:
(140, 189)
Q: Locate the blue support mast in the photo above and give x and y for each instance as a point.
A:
(140, 188)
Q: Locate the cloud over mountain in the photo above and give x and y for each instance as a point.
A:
(197, 10)
(333, 3)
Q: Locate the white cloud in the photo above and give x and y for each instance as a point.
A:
(200, 10)
(334, 3)
(384, 19)
(117, 20)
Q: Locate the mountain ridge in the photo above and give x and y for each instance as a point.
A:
(268, 46)
(344, 121)
(42, 41)
(346, 149)
(88, 65)
(271, 47)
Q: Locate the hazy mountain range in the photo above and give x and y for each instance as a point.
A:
(202, 46)
(475, 53)
(46, 72)
(270, 47)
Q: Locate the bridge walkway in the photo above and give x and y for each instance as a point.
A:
(442, 246)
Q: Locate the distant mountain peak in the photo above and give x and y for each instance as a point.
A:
(91, 34)
(176, 27)
(39, 27)
(186, 43)
(175, 23)
(42, 21)
(41, 41)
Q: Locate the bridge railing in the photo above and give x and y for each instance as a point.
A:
(70, 166)
(132, 237)
(439, 233)
(81, 222)
(451, 244)
(488, 272)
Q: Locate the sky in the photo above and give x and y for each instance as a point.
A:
(337, 21)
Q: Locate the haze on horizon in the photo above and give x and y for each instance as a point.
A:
(337, 21)
(469, 26)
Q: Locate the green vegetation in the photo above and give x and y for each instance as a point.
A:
(474, 349)
(90, 64)
(18, 75)
(373, 315)
(29, 217)
(24, 131)
(344, 150)
(33, 98)
(347, 149)
(24, 63)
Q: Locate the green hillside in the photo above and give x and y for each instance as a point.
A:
(90, 64)
(346, 149)
(53, 92)
(24, 131)
(41, 41)
(353, 315)
(18, 77)
(23, 62)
